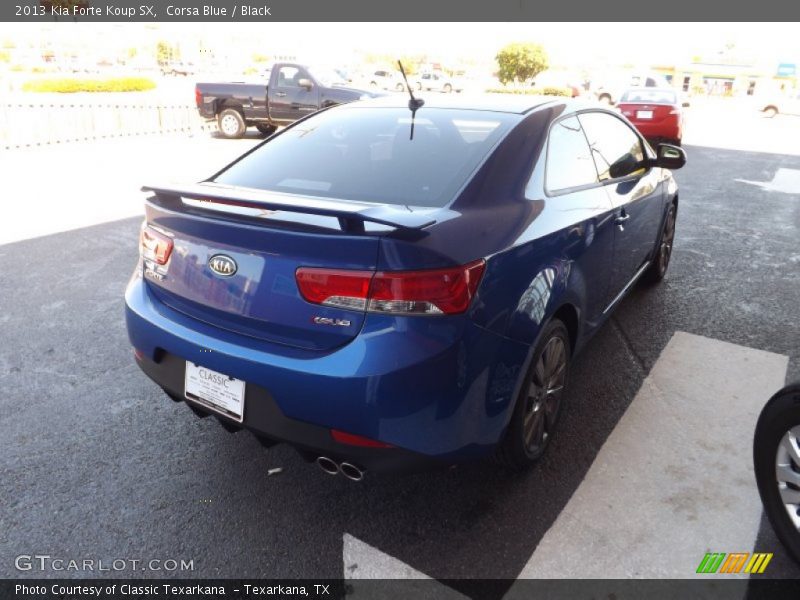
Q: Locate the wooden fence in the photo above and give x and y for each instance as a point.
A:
(32, 124)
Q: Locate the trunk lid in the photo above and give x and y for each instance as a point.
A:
(233, 261)
(658, 112)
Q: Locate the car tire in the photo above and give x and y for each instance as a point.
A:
(373, 85)
(399, 87)
(231, 123)
(658, 268)
(779, 418)
(447, 88)
(419, 87)
(770, 112)
(605, 99)
(539, 404)
(267, 130)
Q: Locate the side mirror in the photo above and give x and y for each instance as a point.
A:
(670, 157)
(305, 83)
(626, 165)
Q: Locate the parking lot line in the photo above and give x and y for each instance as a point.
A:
(784, 180)
(674, 480)
(362, 561)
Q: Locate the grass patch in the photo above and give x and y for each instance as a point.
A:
(71, 86)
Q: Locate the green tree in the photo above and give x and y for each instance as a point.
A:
(164, 52)
(520, 62)
(410, 64)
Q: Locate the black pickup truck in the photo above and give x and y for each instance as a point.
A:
(293, 92)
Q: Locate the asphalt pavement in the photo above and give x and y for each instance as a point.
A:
(97, 463)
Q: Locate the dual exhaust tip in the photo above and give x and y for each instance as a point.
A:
(331, 467)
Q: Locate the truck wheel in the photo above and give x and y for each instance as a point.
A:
(266, 129)
(231, 123)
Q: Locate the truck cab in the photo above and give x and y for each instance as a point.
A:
(292, 92)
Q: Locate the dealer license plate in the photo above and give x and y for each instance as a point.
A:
(216, 391)
(644, 114)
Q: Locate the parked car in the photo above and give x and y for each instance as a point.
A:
(609, 93)
(386, 80)
(788, 105)
(776, 462)
(179, 68)
(439, 82)
(656, 113)
(293, 92)
(386, 286)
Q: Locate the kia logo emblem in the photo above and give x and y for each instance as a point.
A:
(222, 265)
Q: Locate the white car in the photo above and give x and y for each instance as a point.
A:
(439, 82)
(787, 105)
(386, 80)
(610, 93)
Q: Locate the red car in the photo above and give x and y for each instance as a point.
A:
(656, 113)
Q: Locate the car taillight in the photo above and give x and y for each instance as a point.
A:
(675, 111)
(430, 292)
(332, 287)
(154, 245)
(198, 97)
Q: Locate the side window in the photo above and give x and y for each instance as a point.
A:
(289, 76)
(650, 82)
(610, 140)
(569, 162)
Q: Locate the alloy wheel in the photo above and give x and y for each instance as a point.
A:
(545, 390)
(667, 239)
(787, 473)
(229, 125)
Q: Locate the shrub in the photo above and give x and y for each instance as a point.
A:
(70, 86)
(551, 90)
(533, 91)
(520, 62)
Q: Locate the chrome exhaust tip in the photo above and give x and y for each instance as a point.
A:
(328, 465)
(352, 472)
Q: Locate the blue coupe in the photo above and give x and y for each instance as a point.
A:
(387, 284)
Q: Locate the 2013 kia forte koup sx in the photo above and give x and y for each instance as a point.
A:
(386, 286)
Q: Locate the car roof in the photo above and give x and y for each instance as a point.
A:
(508, 103)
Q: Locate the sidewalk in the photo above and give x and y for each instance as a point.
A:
(59, 187)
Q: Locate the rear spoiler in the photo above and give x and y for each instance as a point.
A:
(351, 214)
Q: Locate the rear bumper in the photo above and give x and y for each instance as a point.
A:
(666, 130)
(438, 390)
(264, 418)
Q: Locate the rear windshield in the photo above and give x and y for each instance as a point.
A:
(367, 154)
(649, 96)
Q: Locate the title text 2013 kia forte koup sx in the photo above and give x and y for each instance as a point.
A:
(386, 286)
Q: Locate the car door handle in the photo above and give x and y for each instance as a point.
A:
(280, 94)
(622, 218)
